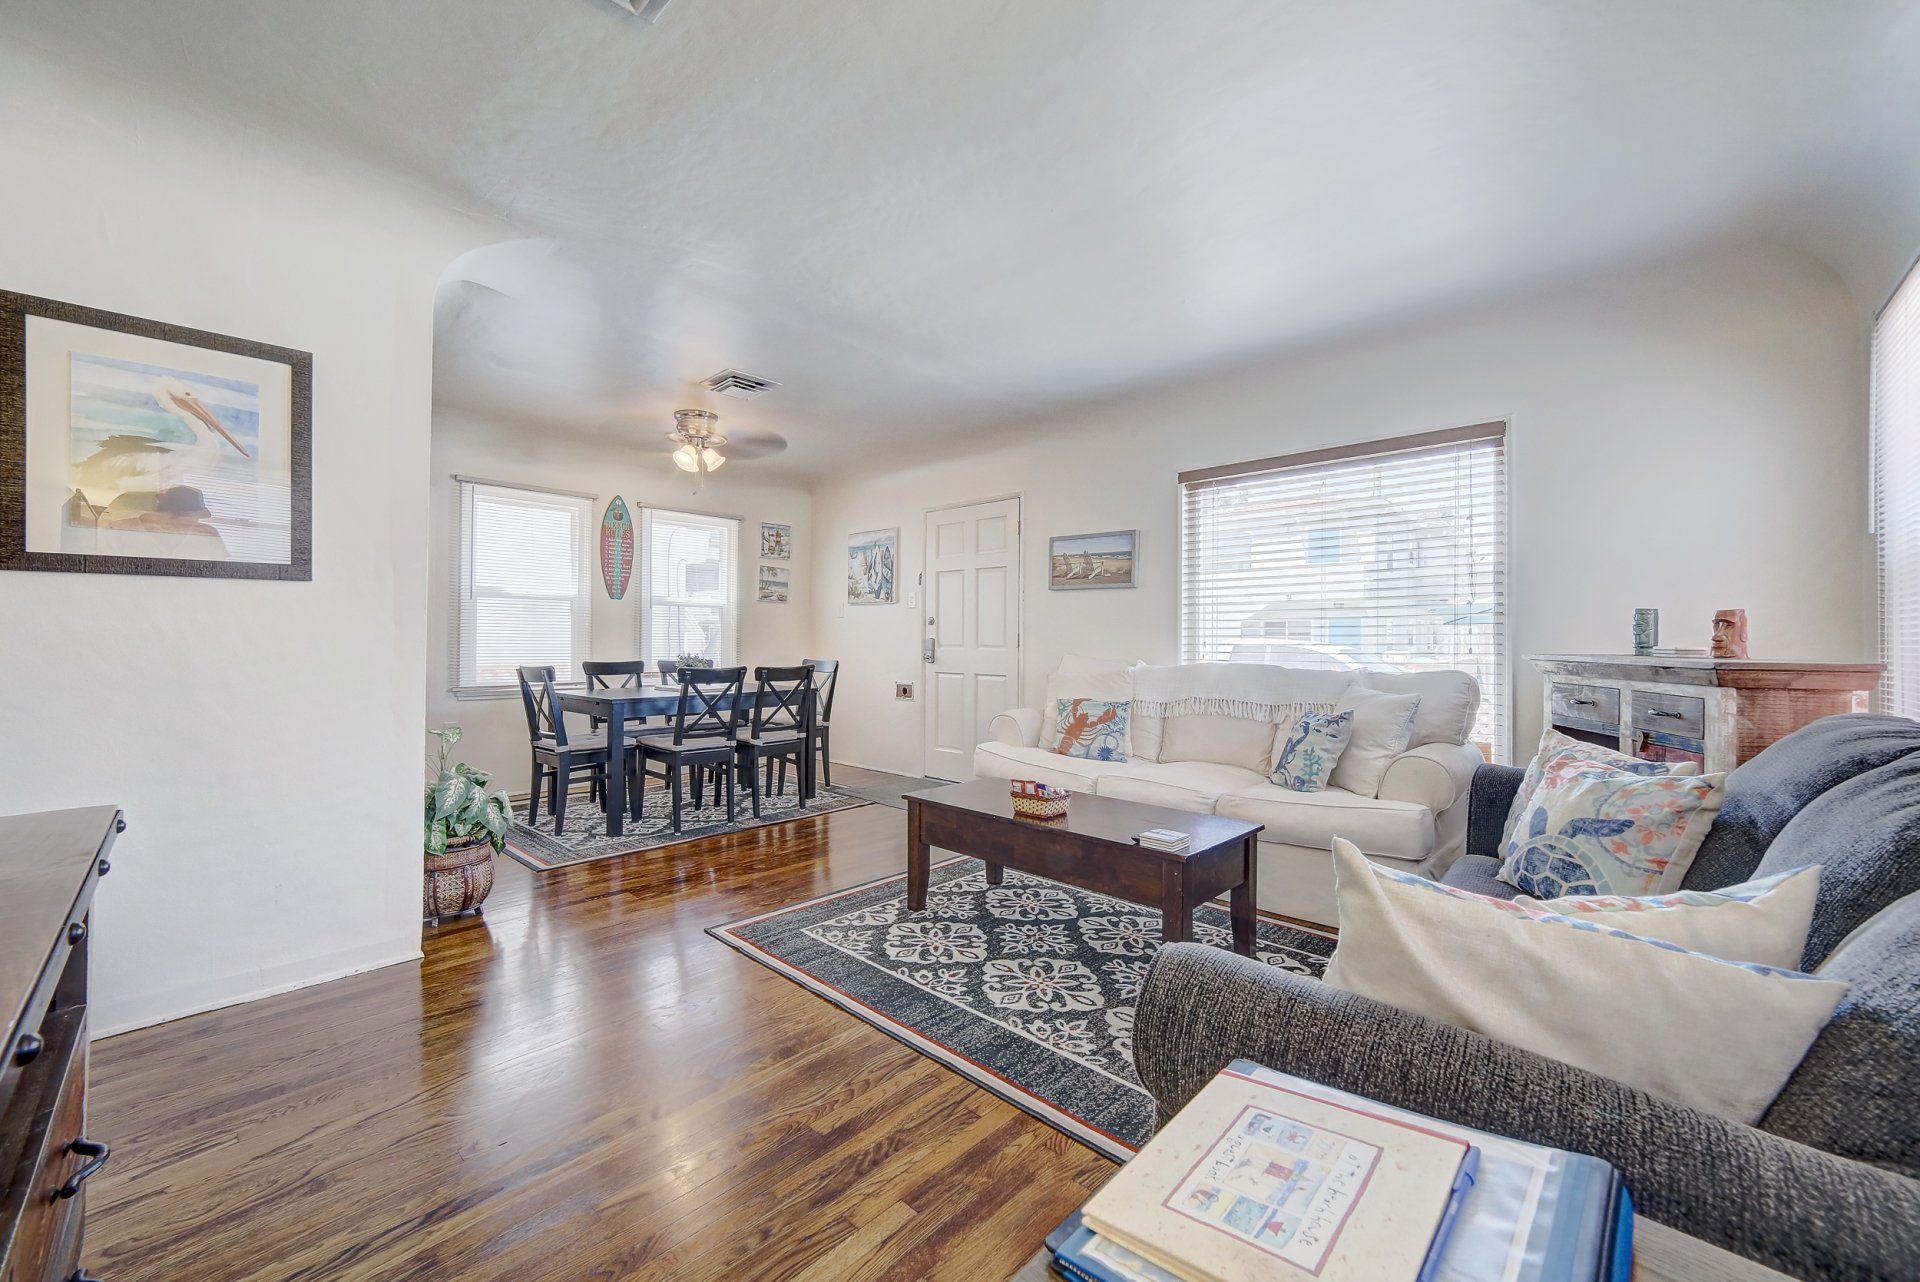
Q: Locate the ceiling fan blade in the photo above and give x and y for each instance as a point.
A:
(752, 444)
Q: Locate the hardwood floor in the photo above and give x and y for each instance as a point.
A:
(580, 1085)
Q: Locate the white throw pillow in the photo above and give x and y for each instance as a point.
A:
(1449, 701)
(1716, 1035)
(1108, 686)
(1763, 921)
(1382, 730)
(1553, 744)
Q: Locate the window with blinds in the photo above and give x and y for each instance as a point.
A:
(689, 585)
(1896, 493)
(521, 585)
(1389, 555)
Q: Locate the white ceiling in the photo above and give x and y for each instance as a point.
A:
(923, 216)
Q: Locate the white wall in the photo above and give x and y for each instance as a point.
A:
(495, 737)
(263, 738)
(1689, 436)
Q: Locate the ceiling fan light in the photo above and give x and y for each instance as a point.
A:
(712, 458)
(686, 459)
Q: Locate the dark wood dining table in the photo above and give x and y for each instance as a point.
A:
(618, 705)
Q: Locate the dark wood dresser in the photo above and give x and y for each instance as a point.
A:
(49, 865)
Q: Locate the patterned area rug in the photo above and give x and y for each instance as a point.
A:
(1027, 989)
(586, 837)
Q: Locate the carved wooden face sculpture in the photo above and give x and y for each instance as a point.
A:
(1730, 634)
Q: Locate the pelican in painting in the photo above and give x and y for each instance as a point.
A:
(141, 463)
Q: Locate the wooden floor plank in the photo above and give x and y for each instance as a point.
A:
(581, 1084)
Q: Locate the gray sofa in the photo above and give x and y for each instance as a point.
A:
(1826, 1186)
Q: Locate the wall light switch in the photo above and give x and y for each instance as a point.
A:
(903, 690)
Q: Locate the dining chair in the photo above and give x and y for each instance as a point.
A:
(781, 728)
(704, 724)
(557, 756)
(667, 668)
(616, 674)
(826, 677)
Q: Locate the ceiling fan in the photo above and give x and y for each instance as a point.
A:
(696, 434)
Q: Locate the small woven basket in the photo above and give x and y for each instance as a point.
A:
(1035, 800)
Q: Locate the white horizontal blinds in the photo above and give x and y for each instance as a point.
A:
(1392, 558)
(689, 585)
(523, 584)
(1896, 493)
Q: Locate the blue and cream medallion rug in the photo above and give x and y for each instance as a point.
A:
(1027, 988)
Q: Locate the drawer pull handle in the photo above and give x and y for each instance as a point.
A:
(28, 1048)
(1583, 703)
(1662, 712)
(96, 1154)
(76, 931)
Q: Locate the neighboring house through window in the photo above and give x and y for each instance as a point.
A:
(521, 585)
(689, 585)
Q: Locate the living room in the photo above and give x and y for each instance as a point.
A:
(792, 443)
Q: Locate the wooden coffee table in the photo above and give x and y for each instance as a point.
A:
(1091, 847)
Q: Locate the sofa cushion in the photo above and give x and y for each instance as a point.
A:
(1857, 1093)
(1398, 829)
(1449, 701)
(1229, 741)
(1865, 834)
(1178, 785)
(1479, 874)
(1764, 794)
(1014, 761)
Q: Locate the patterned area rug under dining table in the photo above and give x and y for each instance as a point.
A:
(1026, 988)
(585, 837)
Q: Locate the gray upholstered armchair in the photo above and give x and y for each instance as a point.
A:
(1826, 1186)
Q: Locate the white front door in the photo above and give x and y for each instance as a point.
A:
(971, 644)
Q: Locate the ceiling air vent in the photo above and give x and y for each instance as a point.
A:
(738, 384)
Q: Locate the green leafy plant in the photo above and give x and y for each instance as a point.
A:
(695, 661)
(459, 805)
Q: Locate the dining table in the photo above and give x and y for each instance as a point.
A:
(618, 705)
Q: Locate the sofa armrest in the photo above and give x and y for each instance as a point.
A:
(1434, 775)
(1494, 788)
(1017, 726)
(1788, 1206)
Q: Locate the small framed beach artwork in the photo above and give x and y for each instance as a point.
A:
(872, 561)
(1091, 560)
(776, 541)
(132, 446)
(774, 583)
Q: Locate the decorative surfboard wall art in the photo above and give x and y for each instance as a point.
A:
(616, 548)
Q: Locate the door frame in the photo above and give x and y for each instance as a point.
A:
(921, 634)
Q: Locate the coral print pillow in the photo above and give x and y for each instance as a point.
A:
(1312, 749)
(1554, 745)
(1592, 830)
(1091, 728)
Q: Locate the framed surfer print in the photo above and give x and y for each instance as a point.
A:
(132, 446)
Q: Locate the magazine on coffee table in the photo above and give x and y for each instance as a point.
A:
(1254, 1181)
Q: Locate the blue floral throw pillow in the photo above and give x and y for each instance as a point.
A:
(1313, 747)
(1091, 728)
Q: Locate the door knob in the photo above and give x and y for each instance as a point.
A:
(926, 651)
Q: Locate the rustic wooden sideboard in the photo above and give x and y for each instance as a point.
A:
(1717, 712)
(49, 866)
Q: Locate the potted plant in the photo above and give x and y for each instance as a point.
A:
(695, 661)
(466, 825)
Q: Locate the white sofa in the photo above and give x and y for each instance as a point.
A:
(1416, 822)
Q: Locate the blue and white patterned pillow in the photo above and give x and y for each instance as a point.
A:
(1592, 830)
(1092, 728)
(1312, 749)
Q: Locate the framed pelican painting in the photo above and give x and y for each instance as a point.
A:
(131, 446)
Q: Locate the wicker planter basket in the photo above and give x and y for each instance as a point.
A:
(458, 881)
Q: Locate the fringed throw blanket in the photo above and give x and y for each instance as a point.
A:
(1254, 691)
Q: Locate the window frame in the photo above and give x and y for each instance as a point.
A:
(731, 527)
(463, 625)
(1893, 460)
(1197, 534)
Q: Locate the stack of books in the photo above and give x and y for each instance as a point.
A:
(1267, 1177)
(1167, 839)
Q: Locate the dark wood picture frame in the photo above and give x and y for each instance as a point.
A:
(14, 310)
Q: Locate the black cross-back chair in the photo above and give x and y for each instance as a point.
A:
(616, 674)
(702, 735)
(667, 668)
(826, 678)
(781, 728)
(558, 756)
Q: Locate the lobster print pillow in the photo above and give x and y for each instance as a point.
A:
(1590, 829)
(1091, 728)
